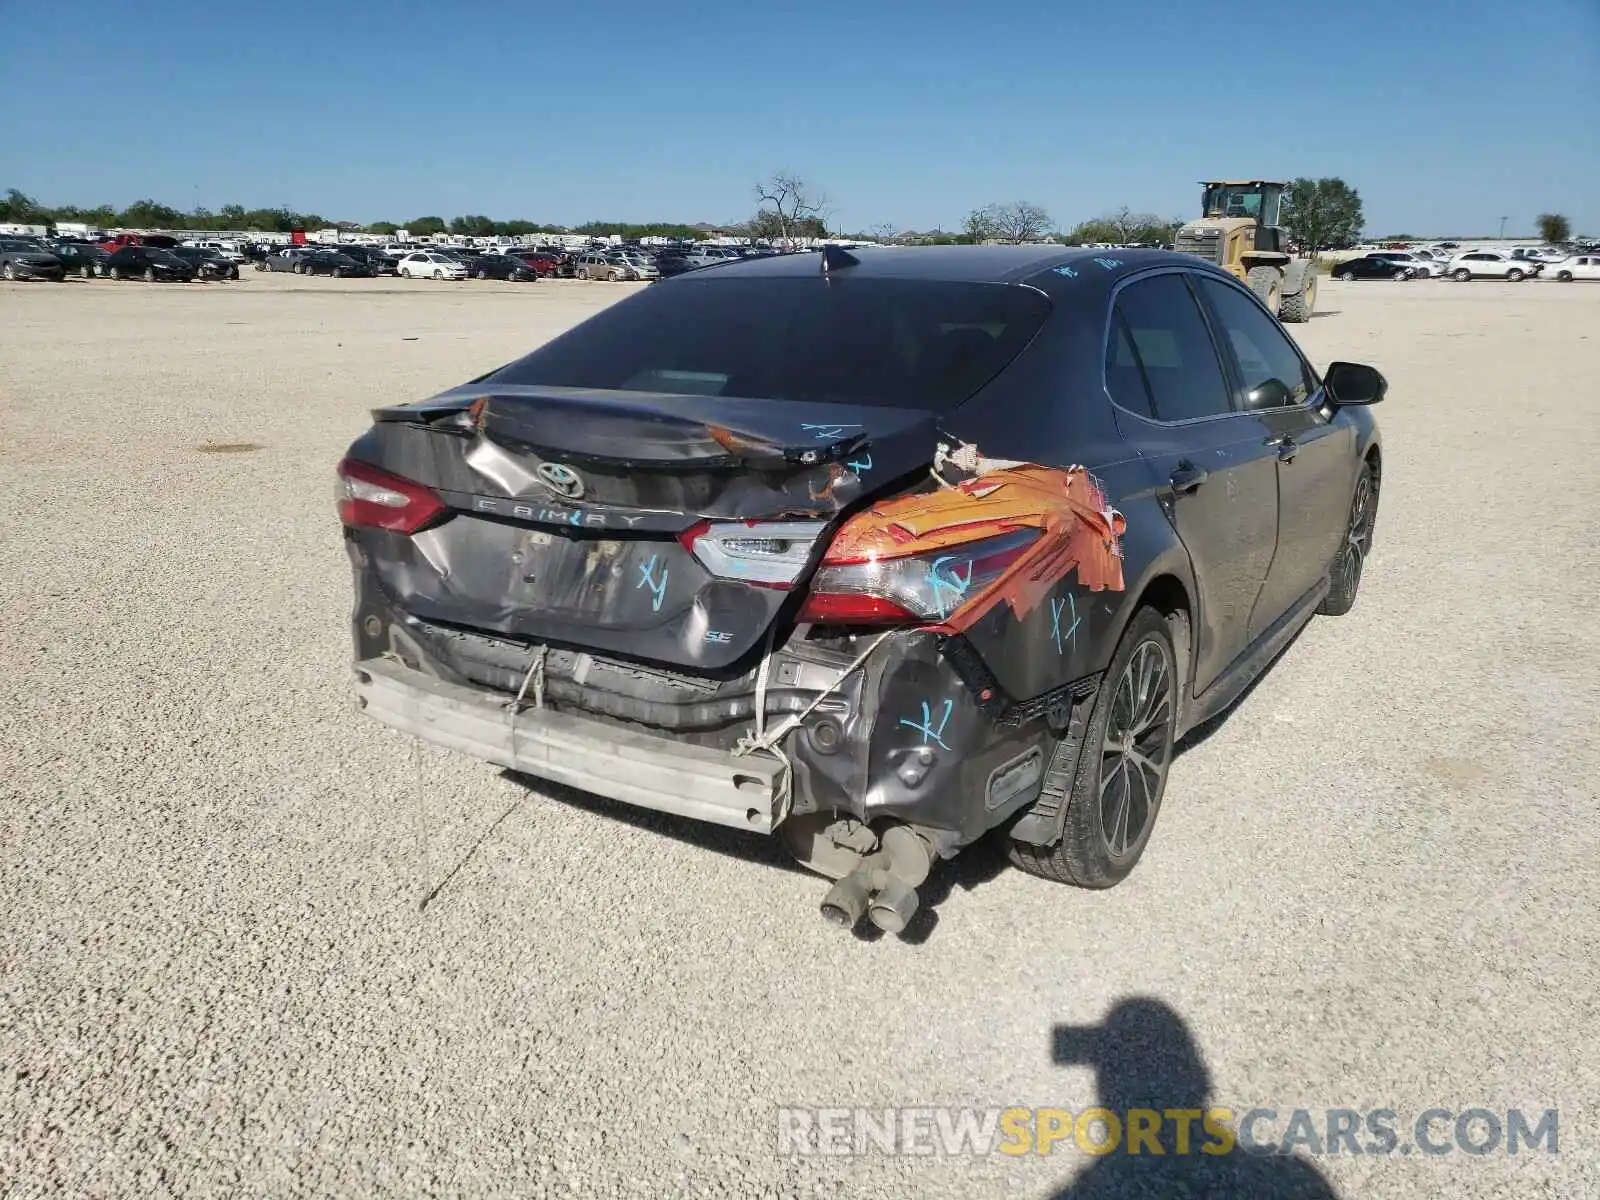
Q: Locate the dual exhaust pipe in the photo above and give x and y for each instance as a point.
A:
(883, 887)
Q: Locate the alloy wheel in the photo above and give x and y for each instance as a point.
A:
(1136, 748)
(1359, 538)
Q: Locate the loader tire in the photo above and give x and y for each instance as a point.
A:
(1293, 310)
(1267, 283)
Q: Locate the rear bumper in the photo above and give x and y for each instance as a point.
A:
(635, 768)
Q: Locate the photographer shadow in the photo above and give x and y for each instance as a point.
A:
(1145, 1058)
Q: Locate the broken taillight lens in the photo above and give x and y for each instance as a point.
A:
(378, 499)
(914, 588)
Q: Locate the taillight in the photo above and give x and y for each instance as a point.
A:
(380, 499)
(914, 588)
(764, 553)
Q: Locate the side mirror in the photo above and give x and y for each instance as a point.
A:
(1349, 384)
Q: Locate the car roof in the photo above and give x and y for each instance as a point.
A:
(956, 264)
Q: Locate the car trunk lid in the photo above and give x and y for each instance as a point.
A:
(670, 527)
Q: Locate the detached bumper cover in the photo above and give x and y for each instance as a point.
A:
(635, 768)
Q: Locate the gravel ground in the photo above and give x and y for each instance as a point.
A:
(1373, 885)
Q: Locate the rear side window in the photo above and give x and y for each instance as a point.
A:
(1172, 348)
(897, 343)
(1272, 371)
(1124, 376)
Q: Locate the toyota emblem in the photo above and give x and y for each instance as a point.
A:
(562, 480)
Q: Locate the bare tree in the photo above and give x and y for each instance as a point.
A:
(1018, 222)
(885, 231)
(791, 201)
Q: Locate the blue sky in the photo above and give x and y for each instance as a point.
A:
(1445, 116)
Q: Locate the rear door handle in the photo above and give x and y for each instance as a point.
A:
(1187, 477)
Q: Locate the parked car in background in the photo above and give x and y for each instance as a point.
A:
(548, 264)
(375, 261)
(672, 262)
(1578, 266)
(863, 637)
(150, 263)
(1423, 266)
(1491, 264)
(430, 264)
(604, 266)
(704, 256)
(207, 263)
(285, 259)
(24, 259)
(334, 264)
(643, 264)
(502, 266)
(1371, 266)
(82, 259)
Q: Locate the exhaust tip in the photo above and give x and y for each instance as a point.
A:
(894, 906)
(835, 915)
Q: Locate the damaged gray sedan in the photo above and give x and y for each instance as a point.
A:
(871, 552)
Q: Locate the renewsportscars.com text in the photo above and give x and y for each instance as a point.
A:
(1261, 1130)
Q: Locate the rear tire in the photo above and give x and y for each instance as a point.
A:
(482, 274)
(149, 274)
(1344, 576)
(1098, 846)
(9, 272)
(115, 273)
(1345, 276)
(87, 271)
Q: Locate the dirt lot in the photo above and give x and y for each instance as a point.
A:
(1373, 886)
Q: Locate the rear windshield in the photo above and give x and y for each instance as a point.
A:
(896, 343)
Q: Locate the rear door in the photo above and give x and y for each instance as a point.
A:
(1217, 465)
(1314, 451)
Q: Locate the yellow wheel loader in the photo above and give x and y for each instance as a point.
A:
(1239, 231)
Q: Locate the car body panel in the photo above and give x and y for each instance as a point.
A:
(595, 600)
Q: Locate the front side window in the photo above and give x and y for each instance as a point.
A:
(1273, 375)
(1173, 349)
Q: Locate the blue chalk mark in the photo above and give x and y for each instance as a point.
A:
(949, 586)
(827, 433)
(658, 588)
(1068, 272)
(925, 726)
(1109, 264)
(864, 463)
(1057, 607)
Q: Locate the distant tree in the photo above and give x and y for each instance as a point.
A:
(1322, 214)
(1554, 228)
(231, 216)
(792, 201)
(885, 231)
(385, 227)
(427, 225)
(1017, 222)
(979, 226)
(147, 214)
(473, 226)
(22, 208)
